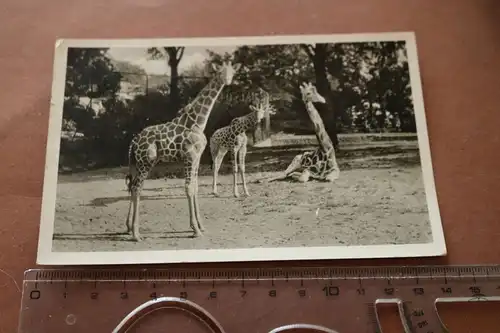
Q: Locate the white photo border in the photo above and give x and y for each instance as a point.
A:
(45, 255)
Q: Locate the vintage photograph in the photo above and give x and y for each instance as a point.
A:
(238, 149)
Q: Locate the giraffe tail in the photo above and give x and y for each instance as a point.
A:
(128, 182)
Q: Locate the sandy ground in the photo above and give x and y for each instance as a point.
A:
(363, 207)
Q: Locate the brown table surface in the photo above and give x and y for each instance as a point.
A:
(459, 51)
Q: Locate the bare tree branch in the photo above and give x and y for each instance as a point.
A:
(180, 53)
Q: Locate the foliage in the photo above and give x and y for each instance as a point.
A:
(366, 85)
(352, 73)
(90, 73)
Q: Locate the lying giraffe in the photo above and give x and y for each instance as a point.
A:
(233, 138)
(321, 163)
(181, 139)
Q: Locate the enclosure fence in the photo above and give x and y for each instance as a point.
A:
(133, 85)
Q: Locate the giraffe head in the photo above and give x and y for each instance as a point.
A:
(261, 109)
(226, 71)
(310, 93)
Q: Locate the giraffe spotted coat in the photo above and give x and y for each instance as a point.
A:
(181, 139)
(320, 163)
(233, 139)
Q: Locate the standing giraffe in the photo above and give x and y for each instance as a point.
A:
(181, 139)
(233, 138)
(321, 163)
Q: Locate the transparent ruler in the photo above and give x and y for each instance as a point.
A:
(237, 300)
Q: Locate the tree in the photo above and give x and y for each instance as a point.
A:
(174, 56)
(374, 73)
(276, 69)
(89, 74)
(194, 78)
(363, 83)
(389, 81)
(349, 75)
(279, 69)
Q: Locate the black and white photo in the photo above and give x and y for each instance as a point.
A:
(238, 149)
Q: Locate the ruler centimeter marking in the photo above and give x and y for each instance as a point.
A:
(340, 300)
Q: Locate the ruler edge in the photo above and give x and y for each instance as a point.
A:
(398, 271)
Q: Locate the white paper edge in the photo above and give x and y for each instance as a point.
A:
(46, 256)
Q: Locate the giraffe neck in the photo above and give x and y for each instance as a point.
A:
(197, 113)
(244, 123)
(319, 128)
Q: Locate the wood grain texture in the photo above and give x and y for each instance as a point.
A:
(459, 52)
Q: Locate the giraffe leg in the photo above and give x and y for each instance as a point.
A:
(213, 152)
(218, 156)
(242, 154)
(234, 156)
(129, 226)
(294, 165)
(135, 192)
(335, 173)
(196, 201)
(302, 177)
(197, 206)
(133, 225)
(332, 176)
(135, 221)
(191, 169)
(129, 182)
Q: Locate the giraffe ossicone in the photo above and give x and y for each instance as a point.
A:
(320, 163)
(232, 138)
(179, 140)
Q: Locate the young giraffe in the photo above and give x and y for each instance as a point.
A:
(233, 138)
(181, 139)
(321, 163)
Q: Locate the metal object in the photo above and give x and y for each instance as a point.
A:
(267, 300)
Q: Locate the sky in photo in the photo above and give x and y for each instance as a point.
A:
(140, 57)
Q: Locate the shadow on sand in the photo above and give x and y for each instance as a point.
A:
(103, 202)
(121, 236)
(171, 187)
